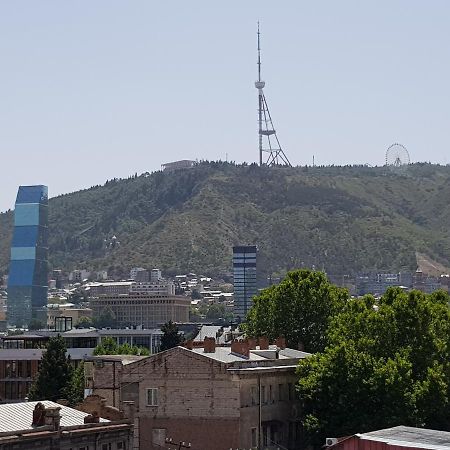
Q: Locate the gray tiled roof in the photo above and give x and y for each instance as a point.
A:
(408, 436)
(18, 416)
(207, 331)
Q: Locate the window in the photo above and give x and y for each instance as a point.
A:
(263, 395)
(120, 445)
(254, 441)
(290, 392)
(280, 393)
(270, 394)
(159, 437)
(106, 447)
(254, 394)
(152, 397)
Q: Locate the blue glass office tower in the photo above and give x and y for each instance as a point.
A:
(244, 279)
(27, 281)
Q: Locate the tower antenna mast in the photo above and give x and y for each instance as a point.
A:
(268, 139)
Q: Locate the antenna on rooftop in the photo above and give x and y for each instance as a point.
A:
(268, 139)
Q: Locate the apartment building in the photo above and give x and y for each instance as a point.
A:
(241, 396)
(146, 304)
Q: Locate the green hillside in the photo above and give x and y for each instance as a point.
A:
(342, 219)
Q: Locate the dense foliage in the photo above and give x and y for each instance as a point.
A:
(56, 378)
(109, 346)
(299, 308)
(341, 219)
(387, 363)
(171, 336)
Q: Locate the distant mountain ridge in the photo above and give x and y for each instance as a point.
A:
(340, 219)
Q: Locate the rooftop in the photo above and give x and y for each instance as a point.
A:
(225, 355)
(413, 437)
(18, 416)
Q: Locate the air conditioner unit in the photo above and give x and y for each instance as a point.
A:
(330, 441)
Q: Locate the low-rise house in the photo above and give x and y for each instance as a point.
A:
(396, 438)
(47, 425)
(214, 397)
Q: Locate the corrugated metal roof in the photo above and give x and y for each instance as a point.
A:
(19, 416)
(410, 437)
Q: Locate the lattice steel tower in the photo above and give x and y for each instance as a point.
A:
(268, 139)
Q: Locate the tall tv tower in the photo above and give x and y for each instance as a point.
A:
(268, 139)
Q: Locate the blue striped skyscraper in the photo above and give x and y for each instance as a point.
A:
(27, 281)
(244, 279)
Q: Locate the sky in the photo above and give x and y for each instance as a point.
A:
(92, 90)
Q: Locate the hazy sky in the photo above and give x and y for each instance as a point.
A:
(91, 90)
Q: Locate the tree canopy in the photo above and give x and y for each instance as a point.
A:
(299, 308)
(109, 346)
(387, 363)
(171, 337)
(55, 373)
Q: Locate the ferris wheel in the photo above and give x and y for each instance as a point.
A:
(397, 156)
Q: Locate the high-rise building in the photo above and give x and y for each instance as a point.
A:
(244, 277)
(27, 282)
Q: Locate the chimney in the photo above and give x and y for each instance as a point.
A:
(92, 418)
(240, 348)
(301, 346)
(209, 345)
(189, 344)
(252, 343)
(263, 342)
(38, 415)
(280, 342)
(53, 417)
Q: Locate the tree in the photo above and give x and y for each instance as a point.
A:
(215, 311)
(171, 337)
(299, 308)
(55, 373)
(105, 319)
(109, 346)
(84, 322)
(75, 390)
(387, 363)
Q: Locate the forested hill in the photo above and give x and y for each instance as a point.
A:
(341, 219)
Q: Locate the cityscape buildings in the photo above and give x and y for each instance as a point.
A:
(244, 276)
(27, 282)
(145, 305)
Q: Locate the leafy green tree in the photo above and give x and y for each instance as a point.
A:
(75, 390)
(387, 363)
(171, 337)
(299, 308)
(109, 346)
(215, 311)
(55, 373)
(84, 322)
